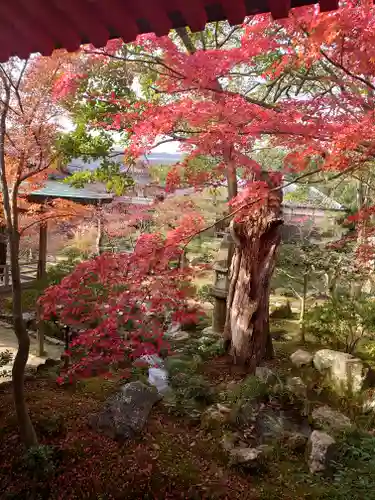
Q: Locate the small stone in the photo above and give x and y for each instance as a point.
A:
(326, 417)
(228, 441)
(297, 387)
(249, 457)
(173, 328)
(210, 332)
(320, 451)
(296, 441)
(265, 375)
(158, 377)
(179, 336)
(216, 415)
(223, 408)
(301, 358)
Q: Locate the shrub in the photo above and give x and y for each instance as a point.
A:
(354, 477)
(38, 461)
(190, 391)
(6, 358)
(342, 324)
(249, 390)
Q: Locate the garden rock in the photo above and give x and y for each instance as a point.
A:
(271, 424)
(158, 377)
(29, 320)
(265, 375)
(282, 312)
(157, 374)
(326, 417)
(253, 458)
(344, 371)
(228, 441)
(47, 366)
(173, 328)
(297, 387)
(179, 336)
(295, 441)
(320, 451)
(125, 413)
(301, 358)
(216, 415)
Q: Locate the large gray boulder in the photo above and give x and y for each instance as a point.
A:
(321, 450)
(301, 358)
(125, 413)
(344, 371)
(327, 418)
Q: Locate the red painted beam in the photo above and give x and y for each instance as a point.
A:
(27, 28)
(53, 22)
(327, 5)
(82, 15)
(235, 12)
(118, 18)
(279, 8)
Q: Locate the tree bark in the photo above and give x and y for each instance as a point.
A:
(42, 258)
(303, 307)
(3, 252)
(257, 238)
(99, 236)
(27, 431)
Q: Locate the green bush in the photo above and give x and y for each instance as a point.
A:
(38, 461)
(190, 392)
(342, 324)
(249, 390)
(6, 357)
(354, 475)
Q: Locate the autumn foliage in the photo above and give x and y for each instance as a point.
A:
(305, 84)
(123, 302)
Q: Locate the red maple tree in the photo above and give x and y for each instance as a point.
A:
(123, 302)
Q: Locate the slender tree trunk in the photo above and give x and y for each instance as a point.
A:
(99, 237)
(356, 287)
(3, 252)
(42, 258)
(257, 239)
(303, 307)
(27, 431)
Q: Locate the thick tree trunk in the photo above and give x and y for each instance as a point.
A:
(27, 431)
(257, 239)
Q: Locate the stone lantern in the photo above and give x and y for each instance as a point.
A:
(220, 287)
